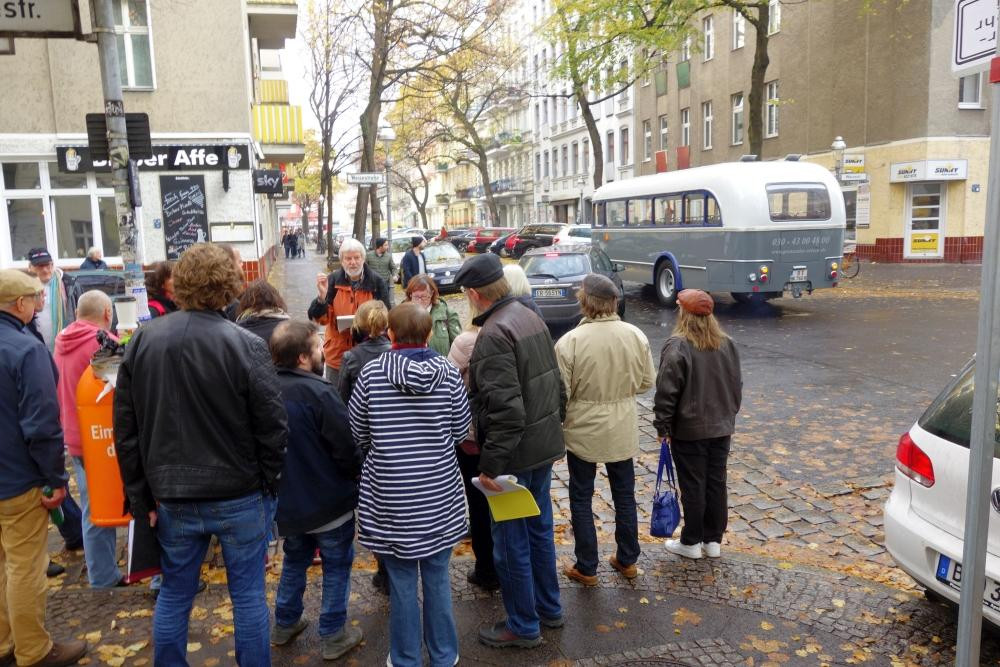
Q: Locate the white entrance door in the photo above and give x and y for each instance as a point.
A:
(925, 211)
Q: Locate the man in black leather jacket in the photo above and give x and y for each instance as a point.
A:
(200, 434)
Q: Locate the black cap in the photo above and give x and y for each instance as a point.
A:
(416, 240)
(39, 256)
(479, 271)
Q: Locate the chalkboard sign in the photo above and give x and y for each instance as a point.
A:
(185, 215)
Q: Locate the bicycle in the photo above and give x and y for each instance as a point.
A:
(851, 264)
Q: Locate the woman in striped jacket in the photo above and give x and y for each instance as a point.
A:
(408, 412)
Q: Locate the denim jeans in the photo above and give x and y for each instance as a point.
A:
(701, 479)
(99, 544)
(336, 547)
(72, 528)
(184, 531)
(621, 477)
(525, 557)
(439, 631)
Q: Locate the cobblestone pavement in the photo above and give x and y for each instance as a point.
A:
(804, 578)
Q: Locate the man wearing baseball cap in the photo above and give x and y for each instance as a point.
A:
(518, 404)
(32, 454)
(54, 316)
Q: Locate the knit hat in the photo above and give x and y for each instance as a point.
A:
(416, 240)
(479, 271)
(696, 302)
(600, 287)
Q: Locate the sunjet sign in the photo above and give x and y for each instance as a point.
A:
(75, 159)
(929, 170)
(39, 18)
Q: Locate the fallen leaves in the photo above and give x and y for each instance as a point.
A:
(685, 616)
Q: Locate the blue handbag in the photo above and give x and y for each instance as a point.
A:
(666, 515)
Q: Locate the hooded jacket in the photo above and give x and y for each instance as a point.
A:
(355, 359)
(75, 346)
(408, 412)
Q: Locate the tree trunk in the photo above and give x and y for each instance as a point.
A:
(755, 126)
(595, 137)
(376, 211)
(484, 174)
(329, 227)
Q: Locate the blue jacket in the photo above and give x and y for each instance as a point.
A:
(410, 266)
(31, 449)
(318, 481)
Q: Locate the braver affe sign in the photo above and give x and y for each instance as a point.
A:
(75, 159)
(39, 18)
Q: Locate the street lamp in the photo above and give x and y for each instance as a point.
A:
(838, 146)
(321, 244)
(387, 135)
(581, 215)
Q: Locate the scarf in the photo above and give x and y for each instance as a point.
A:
(54, 303)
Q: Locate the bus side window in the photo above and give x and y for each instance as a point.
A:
(633, 212)
(694, 210)
(713, 216)
(599, 215)
(615, 212)
(668, 210)
(660, 211)
(643, 212)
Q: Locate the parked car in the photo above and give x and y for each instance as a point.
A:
(573, 234)
(555, 274)
(537, 235)
(499, 247)
(485, 237)
(462, 239)
(925, 513)
(443, 260)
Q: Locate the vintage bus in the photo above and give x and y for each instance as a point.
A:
(754, 229)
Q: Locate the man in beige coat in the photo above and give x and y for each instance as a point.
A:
(604, 364)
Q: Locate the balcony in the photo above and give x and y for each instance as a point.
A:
(273, 91)
(272, 22)
(278, 129)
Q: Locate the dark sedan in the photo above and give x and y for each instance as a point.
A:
(443, 261)
(555, 274)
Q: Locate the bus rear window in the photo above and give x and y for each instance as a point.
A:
(798, 201)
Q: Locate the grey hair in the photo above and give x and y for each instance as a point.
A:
(351, 245)
(94, 250)
(92, 305)
(518, 281)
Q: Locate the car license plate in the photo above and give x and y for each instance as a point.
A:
(550, 293)
(949, 571)
(447, 281)
(800, 274)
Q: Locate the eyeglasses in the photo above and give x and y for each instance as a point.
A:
(39, 296)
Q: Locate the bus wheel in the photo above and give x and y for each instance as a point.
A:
(666, 285)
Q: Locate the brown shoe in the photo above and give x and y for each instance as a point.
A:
(627, 571)
(576, 575)
(63, 654)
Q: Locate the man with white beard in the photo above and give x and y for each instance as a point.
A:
(341, 294)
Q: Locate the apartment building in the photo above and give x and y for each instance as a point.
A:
(914, 157)
(208, 76)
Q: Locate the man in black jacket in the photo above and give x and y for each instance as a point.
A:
(200, 433)
(317, 494)
(518, 403)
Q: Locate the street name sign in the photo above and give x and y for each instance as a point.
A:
(39, 18)
(975, 35)
(366, 178)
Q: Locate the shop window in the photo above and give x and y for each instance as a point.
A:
(26, 221)
(109, 226)
(21, 176)
(74, 225)
(135, 43)
(59, 180)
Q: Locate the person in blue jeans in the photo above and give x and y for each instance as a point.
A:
(200, 433)
(317, 494)
(409, 411)
(519, 403)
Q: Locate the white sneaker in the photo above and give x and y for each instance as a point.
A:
(713, 549)
(692, 551)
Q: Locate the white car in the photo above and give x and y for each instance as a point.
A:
(572, 234)
(925, 513)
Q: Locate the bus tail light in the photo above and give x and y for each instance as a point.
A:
(833, 275)
(764, 271)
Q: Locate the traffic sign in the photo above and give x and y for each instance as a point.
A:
(366, 178)
(40, 18)
(975, 35)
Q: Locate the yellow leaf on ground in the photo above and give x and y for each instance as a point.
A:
(785, 565)
(620, 625)
(211, 662)
(801, 652)
(199, 613)
(839, 604)
(93, 637)
(764, 625)
(684, 616)
(193, 647)
(138, 646)
(116, 661)
(602, 628)
(622, 610)
(643, 600)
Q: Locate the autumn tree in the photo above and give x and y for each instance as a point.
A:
(306, 176)
(334, 77)
(415, 150)
(396, 39)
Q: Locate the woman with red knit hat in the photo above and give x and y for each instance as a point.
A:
(698, 393)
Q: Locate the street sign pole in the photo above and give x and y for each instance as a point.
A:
(984, 408)
(114, 110)
(388, 204)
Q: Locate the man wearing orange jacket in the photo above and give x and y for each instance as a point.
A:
(341, 294)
